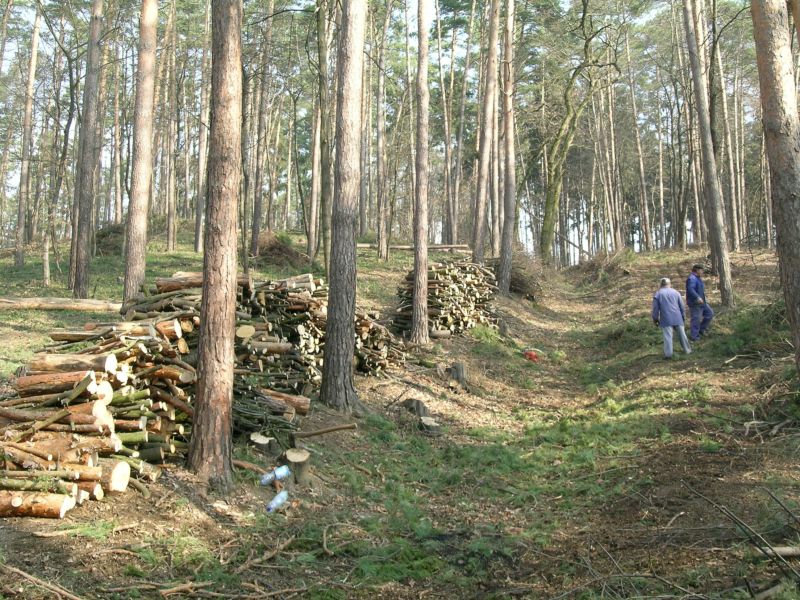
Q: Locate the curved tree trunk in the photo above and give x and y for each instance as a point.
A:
(210, 447)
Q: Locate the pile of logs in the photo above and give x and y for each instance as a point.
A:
(116, 397)
(459, 298)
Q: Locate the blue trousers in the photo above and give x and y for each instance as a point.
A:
(668, 331)
(701, 319)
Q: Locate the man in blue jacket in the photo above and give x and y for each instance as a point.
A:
(699, 309)
(669, 314)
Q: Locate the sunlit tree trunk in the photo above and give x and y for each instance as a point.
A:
(510, 183)
(142, 167)
(782, 132)
(337, 388)
(210, 448)
(713, 194)
(485, 147)
(27, 144)
(87, 162)
(419, 318)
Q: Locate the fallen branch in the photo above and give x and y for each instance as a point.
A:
(185, 588)
(58, 304)
(52, 587)
(297, 435)
(266, 557)
(755, 538)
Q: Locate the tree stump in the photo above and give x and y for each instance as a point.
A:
(298, 461)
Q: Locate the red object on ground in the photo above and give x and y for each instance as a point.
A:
(531, 355)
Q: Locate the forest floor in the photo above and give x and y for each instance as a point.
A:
(599, 471)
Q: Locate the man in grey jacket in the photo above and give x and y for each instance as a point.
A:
(669, 314)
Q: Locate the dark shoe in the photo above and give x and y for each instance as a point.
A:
(667, 358)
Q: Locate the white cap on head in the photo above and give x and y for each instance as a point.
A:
(665, 281)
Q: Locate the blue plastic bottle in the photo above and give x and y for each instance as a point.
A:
(275, 475)
(278, 501)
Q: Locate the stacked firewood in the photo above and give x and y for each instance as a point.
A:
(116, 397)
(459, 298)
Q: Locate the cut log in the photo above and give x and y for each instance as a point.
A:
(53, 486)
(94, 489)
(244, 332)
(170, 329)
(67, 335)
(58, 304)
(301, 404)
(186, 280)
(115, 475)
(63, 363)
(85, 473)
(431, 247)
(35, 504)
(269, 347)
(48, 383)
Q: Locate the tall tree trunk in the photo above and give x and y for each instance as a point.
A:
(714, 217)
(510, 183)
(732, 205)
(116, 164)
(85, 187)
(448, 211)
(644, 212)
(312, 225)
(419, 314)
(202, 133)
(211, 446)
(381, 181)
(171, 141)
(479, 225)
(782, 131)
(457, 167)
(142, 161)
(3, 29)
(326, 183)
(27, 144)
(337, 388)
(263, 112)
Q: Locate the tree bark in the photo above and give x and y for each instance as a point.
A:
(136, 235)
(27, 144)
(713, 193)
(326, 183)
(782, 131)
(510, 183)
(457, 167)
(485, 147)
(337, 375)
(381, 181)
(210, 447)
(202, 144)
(85, 181)
(263, 111)
(419, 317)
